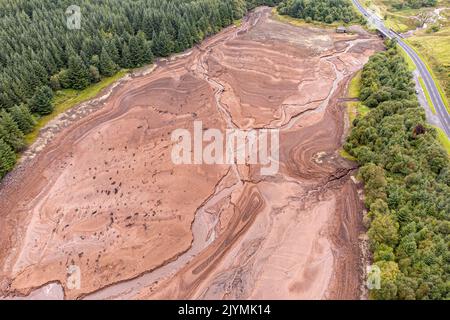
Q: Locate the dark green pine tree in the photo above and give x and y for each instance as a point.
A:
(94, 74)
(40, 73)
(136, 54)
(10, 132)
(64, 79)
(23, 117)
(112, 51)
(162, 44)
(88, 46)
(149, 24)
(48, 61)
(16, 87)
(226, 14)
(7, 158)
(55, 84)
(184, 39)
(239, 8)
(146, 53)
(30, 80)
(107, 66)
(95, 61)
(78, 73)
(41, 102)
(126, 57)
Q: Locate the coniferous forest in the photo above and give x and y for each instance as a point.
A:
(407, 183)
(326, 11)
(40, 55)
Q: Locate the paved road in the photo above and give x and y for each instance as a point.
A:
(426, 76)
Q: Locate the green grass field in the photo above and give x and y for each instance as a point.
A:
(68, 98)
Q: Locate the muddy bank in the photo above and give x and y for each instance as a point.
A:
(105, 197)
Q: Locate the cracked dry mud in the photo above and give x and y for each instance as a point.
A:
(104, 195)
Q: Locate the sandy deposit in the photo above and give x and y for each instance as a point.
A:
(104, 195)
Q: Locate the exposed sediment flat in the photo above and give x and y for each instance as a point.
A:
(104, 195)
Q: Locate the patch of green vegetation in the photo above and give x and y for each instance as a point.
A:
(427, 95)
(344, 154)
(352, 110)
(237, 22)
(363, 110)
(443, 139)
(68, 98)
(354, 86)
(356, 109)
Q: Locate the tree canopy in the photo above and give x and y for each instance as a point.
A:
(326, 11)
(407, 183)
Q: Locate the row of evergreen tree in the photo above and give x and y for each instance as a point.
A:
(326, 11)
(407, 183)
(41, 55)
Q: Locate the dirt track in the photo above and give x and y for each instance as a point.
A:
(104, 195)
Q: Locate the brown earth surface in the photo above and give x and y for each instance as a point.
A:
(104, 195)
